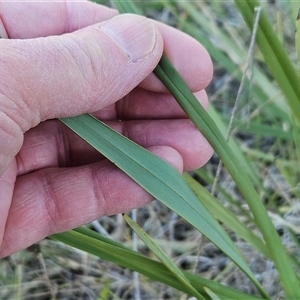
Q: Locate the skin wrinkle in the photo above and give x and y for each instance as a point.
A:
(17, 9)
(49, 73)
(88, 62)
(40, 156)
(53, 206)
(64, 142)
(4, 208)
(50, 203)
(5, 180)
(66, 19)
(122, 107)
(3, 32)
(70, 52)
(99, 199)
(10, 105)
(92, 75)
(13, 136)
(28, 214)
(21, 165)
(21, 109)
(66, 54)
(29, 155)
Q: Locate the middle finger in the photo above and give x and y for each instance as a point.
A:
(51, 144)
(142, 104)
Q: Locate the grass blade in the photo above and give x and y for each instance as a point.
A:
(96, 244)
(172, 80)
(163, 257)
(127, 7)
(225, 216)
(275, 56)
(159, 179)
(212, 295)
(263, 89)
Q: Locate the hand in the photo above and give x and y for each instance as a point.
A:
(60, 59)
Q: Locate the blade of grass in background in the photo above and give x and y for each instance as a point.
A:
(288, 80)
(211, 294)
(294, 10)
(290, 170)
(297, 40)
(234, 147)
(225, 216)
(296, 135)
(159, 179)
(260, 129)
(295, 124)
(208, 178)
(127, 7)
(274, 55)
(96, 244)
(232, 58)
(163, 257)
(172, 80)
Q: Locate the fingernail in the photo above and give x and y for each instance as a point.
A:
(136, 35)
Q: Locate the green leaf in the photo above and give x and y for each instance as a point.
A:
(212, 295)
(224, 215)
(90, 241)
(158, 178)
(275, 56)
(172, 80)
(288, 80)
(163, 257)
(127, 7)
(230, 56)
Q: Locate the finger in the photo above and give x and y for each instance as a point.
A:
(52, 17)
(189, 58)
(54, 200)
(141, 104)
(81, 72)
(7, 181)
(180, 135)
(67, 75)
(51, 144)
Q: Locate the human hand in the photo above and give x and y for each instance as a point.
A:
(61, 59)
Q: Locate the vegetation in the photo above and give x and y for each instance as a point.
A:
(256, 201)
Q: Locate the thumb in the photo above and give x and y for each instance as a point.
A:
(71, 74)
(74, 73)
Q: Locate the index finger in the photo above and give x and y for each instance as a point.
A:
(48, 17)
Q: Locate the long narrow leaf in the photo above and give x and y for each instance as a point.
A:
(225, 216)
(275, 56)
(172, 80)
(280, 66)
(96, 244)
(262, 90)
(163, 257)
(288, 80)
(159, 179)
